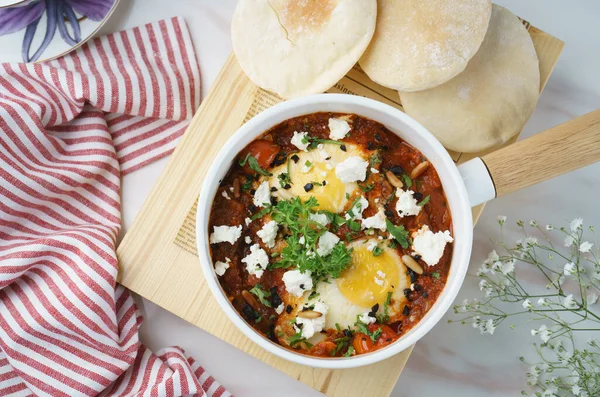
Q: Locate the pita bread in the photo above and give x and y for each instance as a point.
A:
(419, 44)
(492, 99)
(300, 47)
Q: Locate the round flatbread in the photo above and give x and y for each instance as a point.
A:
(300, 47)
(419, 44)
(492, 99)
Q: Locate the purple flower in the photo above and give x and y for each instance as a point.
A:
(59, 14)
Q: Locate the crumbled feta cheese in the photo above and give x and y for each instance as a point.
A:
(352, 169)
(221, 267)
(430, 245)
(320, 146)
(377, 221)
(338, 129)
(371, 245)
(224, 194)
(248, 221)
(321, 219)
(312, 326)
(406, 204)
(377, 200)
(326, 243)
(412, 287)
(262, 195)
(296, 283)
(279, 309)
(374, 170)
(248, 240)
(301, 240)
(256, 261)
(268, 233)
(380, 274)
(358, 208)
(300, 140)
(228, 234)
(366, 318)
(231, 189)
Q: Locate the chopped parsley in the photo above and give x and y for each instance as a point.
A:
(407, 181)
(363, 328)
(253, 163)
(424, 201)
(392, 244)
(261, 294)
(353, 225)
(383, 318)
(336, 220)
(399, 233)
(374, 159)
(435, 275)
(308, 163)
(349, 352)
(340, 344)
(294, 214)
(366, 187)
(314, 142)
(377, 251)
(297, 338)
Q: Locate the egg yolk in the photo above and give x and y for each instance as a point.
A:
(330, 196)
(369, 278)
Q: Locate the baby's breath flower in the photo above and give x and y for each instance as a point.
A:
(549, 227)
(569, 240)
(569, 302)
(570, 269)
(527, 304)
(520, 223)
(576, 389)
(542, 302)
(508, 267)
(531, 241)
(585, 246)
(533, 223)
(591, 298)
(576, 224)
(501, 219)
(544, 333)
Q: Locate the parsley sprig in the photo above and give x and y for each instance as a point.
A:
(294, 215)
(362, 327)
(261, 294)
(383, 318)
(399, 233)
(253, 163)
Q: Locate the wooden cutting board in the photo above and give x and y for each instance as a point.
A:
(158, 258)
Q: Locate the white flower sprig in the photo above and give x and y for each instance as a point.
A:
(572, 278)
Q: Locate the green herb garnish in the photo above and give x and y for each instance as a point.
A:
(399, 233)
(392, 244)
(383, 318)
(349, 352)
(353, 225)
(253, 163)
(377, 251)
(362, 327)
(297, 338)
(435, 275)
(261, 294)
(374, 159)
(407, 181)
(424, 201)
(340, 344)
(366, 188)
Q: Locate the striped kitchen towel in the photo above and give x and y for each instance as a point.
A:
(69, 129)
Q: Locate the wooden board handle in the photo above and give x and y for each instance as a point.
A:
(561, 149)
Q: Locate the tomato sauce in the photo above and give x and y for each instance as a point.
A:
(233, 204)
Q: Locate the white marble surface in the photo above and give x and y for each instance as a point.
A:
(451, 360)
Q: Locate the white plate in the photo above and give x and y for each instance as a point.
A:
(36, 30)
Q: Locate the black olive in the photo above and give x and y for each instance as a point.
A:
(377, 136)
(252, 191)
(418, 287)
(308, 187)
(388, 213)
(348, 333)
(249, 312)
(251, 208)
(288, 309)
(417, 257)
(425, 294)
(418, 196)
(275, 298)
(407, 291)
(374, 310)
(287, 186)
(273, 200)
(301, 286)
(370, 146)
(397, 170)
(271, 334)
(343, 148)
(328, 158)
(295, 158)
(324, 183)
(384, 148)
(273, 189)
(406, 310)
(413, 275)
(279, 159)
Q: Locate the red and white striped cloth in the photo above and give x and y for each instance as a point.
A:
(69, 129)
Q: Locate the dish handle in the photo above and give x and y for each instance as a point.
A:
(561, 149)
